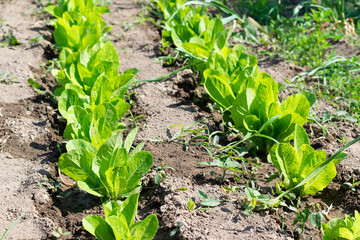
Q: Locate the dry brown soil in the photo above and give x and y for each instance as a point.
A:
(30, 140)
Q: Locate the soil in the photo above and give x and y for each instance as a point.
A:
(31, 142)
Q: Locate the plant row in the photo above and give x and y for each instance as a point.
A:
(248, 98)
(91, 97)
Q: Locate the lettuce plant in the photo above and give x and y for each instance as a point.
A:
(232, 80)
(79, 24)
(198, 37)
(295, 163)
(77, 37)
(256, 109)
(119, 222)
(80, 6)
(226, 73)
(341, 229)
(200, 31)
(91, 99)
(112, 171)
(96, 67)
(167, 8)
(94, 125)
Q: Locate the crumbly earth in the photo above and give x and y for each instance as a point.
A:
(21, 129)
(30, 140)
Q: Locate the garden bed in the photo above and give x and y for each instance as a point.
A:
(31, 137)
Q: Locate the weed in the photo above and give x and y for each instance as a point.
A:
(352, 185)
(50, 66)
(8, 38)
(126, 26)
(14, 223)
(59, 233)
(316, 219)
(161, 175)
(191, 205)
(254, 200)
(208, 202)
(51, 184)
(301, 219)
(27, 106)
(35, 40)
(176, 230)
(338, 79)
(7, 78)
(195, 131)
(225, 162)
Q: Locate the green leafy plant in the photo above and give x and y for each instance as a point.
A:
(338, 78)
(79, 6)
(225, 73)
(91, 99)
(94, 125)
(79, 24)
(165, 10)
(208, 202)
(301, 219)
(316, 219)
(339, 229)
(191, 204)
(254, 200)
(225, 161)
(112, 172)
(119, 222)
(297, 162)
(352, 185)
(257, 110)
(92, 70)
(59, 233)
(198, 37)
(9, 38)
(161, 175)
(7, 78)
(252, 99)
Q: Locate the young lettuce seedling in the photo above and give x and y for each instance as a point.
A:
(226, 72)
(81, 7)
(295, 163)
(338, 228)
(94, 71)
(198, 37)
(95, 124)
(78, 25)
(250, 99)
(166, 9)
(112, 172)
(119, 222)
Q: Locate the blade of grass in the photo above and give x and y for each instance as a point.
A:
(14, 223)
(158, 79)
(323, 66)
